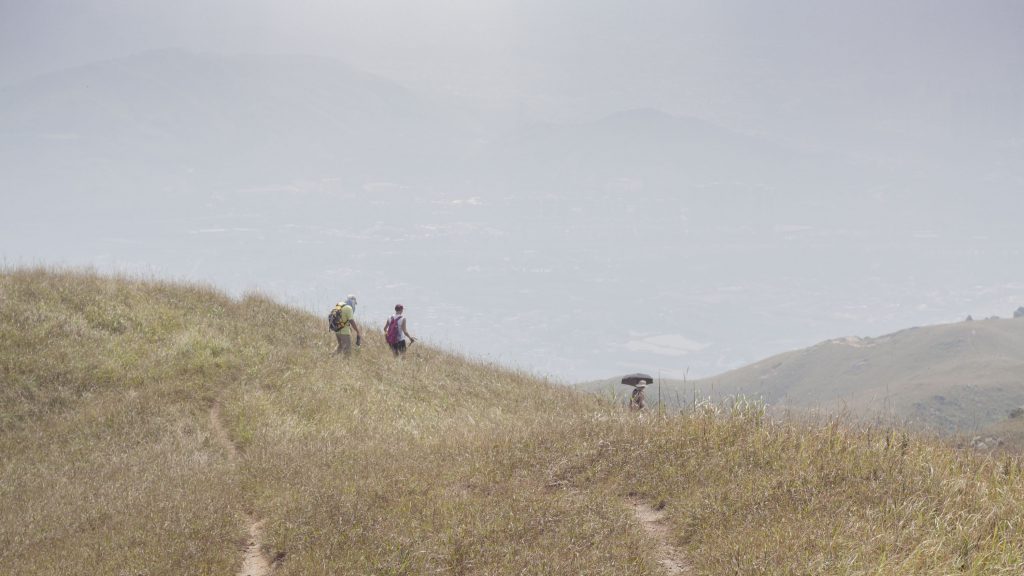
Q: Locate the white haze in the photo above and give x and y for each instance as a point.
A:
(577, 188)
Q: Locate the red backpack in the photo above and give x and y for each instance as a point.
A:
(393, 330)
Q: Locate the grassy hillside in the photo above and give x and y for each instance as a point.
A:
(147, 428)
(950, 377)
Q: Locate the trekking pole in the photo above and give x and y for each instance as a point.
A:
(661, 409)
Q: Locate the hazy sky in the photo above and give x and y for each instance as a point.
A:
(737, 60)
(854, 167)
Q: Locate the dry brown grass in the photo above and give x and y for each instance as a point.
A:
(431, 465)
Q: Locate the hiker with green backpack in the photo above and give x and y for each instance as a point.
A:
(342, 323)
(395, 332)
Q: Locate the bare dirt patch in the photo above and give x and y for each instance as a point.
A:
(653, 521)
(255, 562)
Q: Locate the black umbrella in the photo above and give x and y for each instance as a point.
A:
(638, 378)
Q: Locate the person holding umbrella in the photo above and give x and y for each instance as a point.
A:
(639, 382)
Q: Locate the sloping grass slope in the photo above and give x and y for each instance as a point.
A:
(107, 467)
(368, 465)
(429, 465)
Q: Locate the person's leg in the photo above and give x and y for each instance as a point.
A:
(400, 348)
(344, 344)
(637, 400)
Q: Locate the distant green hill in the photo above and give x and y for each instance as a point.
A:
(962, 376)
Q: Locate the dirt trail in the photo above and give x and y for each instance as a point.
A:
(220, 434)
(255, 561)
(653, 521)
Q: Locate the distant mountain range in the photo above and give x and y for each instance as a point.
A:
(182, 119)
(964, 376)
(172, 129)
(306, 177)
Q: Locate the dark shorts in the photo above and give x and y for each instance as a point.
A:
(398, 347)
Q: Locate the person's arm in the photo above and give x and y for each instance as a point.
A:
(355, 326)
(406, 330)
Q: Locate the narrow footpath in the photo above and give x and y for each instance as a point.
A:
(255, 561)
(653, 521)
